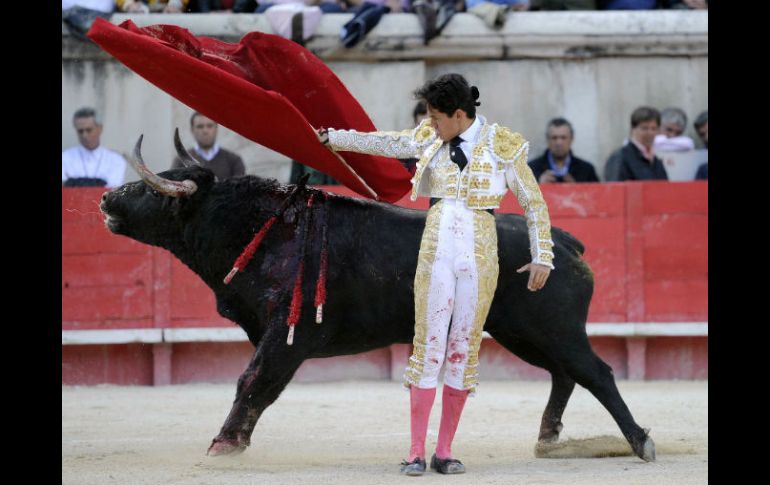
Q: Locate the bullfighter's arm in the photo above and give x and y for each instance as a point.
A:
(396, 144)
(512, 150)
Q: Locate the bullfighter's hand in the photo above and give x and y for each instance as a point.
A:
(323, 135)
(538, 274)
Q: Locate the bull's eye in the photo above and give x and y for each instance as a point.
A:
(155, 193)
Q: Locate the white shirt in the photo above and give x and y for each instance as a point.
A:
(99, 163)
(674, 144)
(209, 154)
(469, 137)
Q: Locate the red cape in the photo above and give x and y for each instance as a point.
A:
(266, 88)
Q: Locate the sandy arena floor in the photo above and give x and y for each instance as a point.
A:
(358, 432)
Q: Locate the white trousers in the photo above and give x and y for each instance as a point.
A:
(454, 285)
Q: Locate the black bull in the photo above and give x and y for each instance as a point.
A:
(373, 250)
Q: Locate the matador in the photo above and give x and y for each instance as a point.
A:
(465, 166)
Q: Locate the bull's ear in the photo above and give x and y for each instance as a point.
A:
(202, 177)
(179, 206)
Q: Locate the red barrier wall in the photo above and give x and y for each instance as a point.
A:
(647, 244)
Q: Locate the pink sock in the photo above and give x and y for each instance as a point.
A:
(452, 405)
(421, 400)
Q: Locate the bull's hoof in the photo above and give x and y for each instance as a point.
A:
(225, 447)
(550, 438)
(648, 451)
(645, 449)
(550, 435)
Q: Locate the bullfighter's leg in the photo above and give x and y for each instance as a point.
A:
(585, 367)
(270, 370)
(434, 293)
(562, 385)
(434, 289)
(476, 269)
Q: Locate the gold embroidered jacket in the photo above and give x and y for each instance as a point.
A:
(498, 157)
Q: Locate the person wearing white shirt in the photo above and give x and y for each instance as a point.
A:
(90, 164)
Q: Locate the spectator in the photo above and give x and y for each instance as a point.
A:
(154, 6)
(244, 6)
(326, 6)
(105, 6)
(689, 4)
(701, 126)
(206, 6)
(224, 163)
(90, 164)
(558, 164)
(511, 4)
(563, 5)
(296, 20)
(673, 121)
(636, 160)
(367, 16)
(433, 15)
(493, 12)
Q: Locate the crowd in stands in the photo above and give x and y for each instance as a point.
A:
(651, 133)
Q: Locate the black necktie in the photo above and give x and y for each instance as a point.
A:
(456, 153)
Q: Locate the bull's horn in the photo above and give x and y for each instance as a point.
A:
(171, 188)
(181, 151)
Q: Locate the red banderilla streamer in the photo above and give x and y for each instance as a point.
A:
(295, 309)
(296, 304)
(320, 287)
(248, 253)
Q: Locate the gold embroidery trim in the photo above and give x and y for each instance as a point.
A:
(423, 133)
(538, 220)
(480, 201)
(422, 164)
(485, 249)
(422, 277)
(506, 143)
(480, 183)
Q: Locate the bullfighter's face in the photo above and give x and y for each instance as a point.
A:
(448, 127)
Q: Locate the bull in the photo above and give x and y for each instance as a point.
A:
(372, 258)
